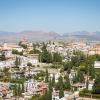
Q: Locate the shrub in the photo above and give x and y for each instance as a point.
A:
(87, 93)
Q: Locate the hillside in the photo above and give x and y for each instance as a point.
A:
(38, 36)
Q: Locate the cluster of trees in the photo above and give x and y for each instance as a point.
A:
(78, 58)
(51, 83)
(17, 52)
(60, 86)
(95, 93)
(48, 93)
(40, 76)
(82, 64)
(24, 46)
(34, 51)
(67, 66)
(79, 77)
(96, 86)
(2, 56)
(48, 57)
(63, 84)
(17, 87)
(5, 75)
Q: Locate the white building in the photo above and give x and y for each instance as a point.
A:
(7, 64)
(97, 64)
(55, 95)
(90, 86)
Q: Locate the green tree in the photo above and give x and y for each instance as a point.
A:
(16, 62)
(87, 83)
(29, 65)
(80, 76)
(6, 71)
(47, 76)
(19, 90)
(17, 52)
(96, 86)
(75, 61)
(92, 71)
(43, 97)
(23, 87)
(61, 90)
(45, 56)
(57, 57)
(24, 46)
(19, 61)
(67, 66)
(50, 90)
(78, 58)
(67, 84)
(15, 90)
(53, 80)
(3, 57)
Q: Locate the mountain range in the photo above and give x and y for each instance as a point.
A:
(36, 36)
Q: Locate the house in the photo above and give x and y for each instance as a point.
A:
(5, 90)
(42, 87)
(25, 60)
(78, 86)
(34, 87)
(17, 74)
(69, 96)
(8, 63)
(10, 47)
(55, 95)
(95, 49)
(71, 76)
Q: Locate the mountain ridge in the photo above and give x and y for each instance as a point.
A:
(46, 36)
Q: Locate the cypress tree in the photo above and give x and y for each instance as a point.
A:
(47, 76)
(19, 90)
(16, 62)
(50, 90)
(87, 83)
(22, 87)
(15, 90)
(61, 91)
(53, 80)
(92, 71)
(67, 83)
(80, 76)
(19, 62)
(45, 56)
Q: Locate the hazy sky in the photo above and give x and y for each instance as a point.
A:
(50, 15)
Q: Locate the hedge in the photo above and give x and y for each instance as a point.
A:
(88, 94)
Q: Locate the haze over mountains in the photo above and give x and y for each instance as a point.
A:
(46, 36)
